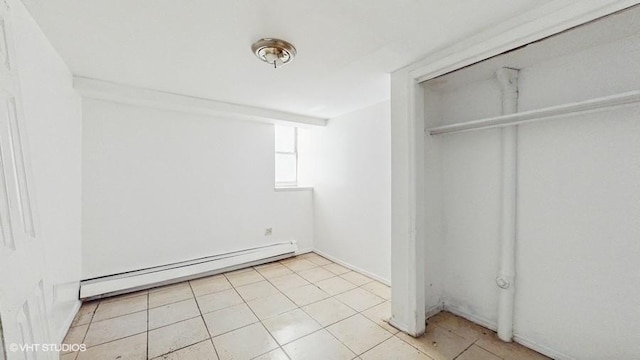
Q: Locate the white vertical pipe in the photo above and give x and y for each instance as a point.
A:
(508, 79)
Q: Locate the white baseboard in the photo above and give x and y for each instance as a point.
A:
(542, 349)
(62, 332)
(186, 270)
(473, 318)
(354, 268)
(433, 310)
(305, 251)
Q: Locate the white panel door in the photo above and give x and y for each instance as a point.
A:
(22, 308)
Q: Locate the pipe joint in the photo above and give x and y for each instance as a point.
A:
(503, 283)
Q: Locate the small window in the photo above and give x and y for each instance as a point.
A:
(286, 147)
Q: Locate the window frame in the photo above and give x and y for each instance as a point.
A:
(294, 153)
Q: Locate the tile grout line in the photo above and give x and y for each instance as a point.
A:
(256, 315)
(357, 355)
(465, 349)
(210, 338)
(298, 307)
(269, 280)
(148, 303)
(279, 291)
(332, 297)
(110, 341)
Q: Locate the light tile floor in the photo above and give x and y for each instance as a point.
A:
(303, 308)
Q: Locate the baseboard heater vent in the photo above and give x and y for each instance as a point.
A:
(186, 270)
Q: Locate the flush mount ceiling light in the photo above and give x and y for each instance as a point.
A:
(274, 51)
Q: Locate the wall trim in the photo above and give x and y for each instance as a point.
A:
(354, 268)
(131, 281)
(433, 311)
(407, 156)
(473, 318)
(541, 349)
(131, 95)
(539, 23)
(62, 332)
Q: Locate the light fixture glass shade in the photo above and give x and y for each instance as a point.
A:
(274, 51)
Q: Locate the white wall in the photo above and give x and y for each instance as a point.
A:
(578, 239)
(352, 189)
(53, 130)
(579, 205)
(162, 186)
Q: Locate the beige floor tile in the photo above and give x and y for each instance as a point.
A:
(288, 282)
(328, 311)
(170, 294)
(316, 274)
(295, 258)
(201, 351)
(305, 295)
(359, 299)
(266, 265)
(270, 306)
(239, 271)
(356, 278)
(335, 285)
(318, 346)
(244, 277)
(122, 306)
(130, 348)
(359, 333)
(299, 265)
(458, 325)
(307, 255)
(176, 336)
(274, 271)
(125, 296)
(210, 284)
(276, 354)
(172, 313)
(290, 326)
(218, 300)
(120, 323)
(507, 351)
(394, 348)
(244, 343)
(256, 290)
(163, 288)
(227, 319)
(379, 289)
(380, 314)
(75, 335)
(69, 356)
(116, 328)
(477, 353)
(438, 343)
(336, 269)
(320, 261)
(85, 314)
(288, 261)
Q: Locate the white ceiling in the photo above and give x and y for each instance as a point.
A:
(346, 48)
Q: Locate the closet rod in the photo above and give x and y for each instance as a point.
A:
(540, 114)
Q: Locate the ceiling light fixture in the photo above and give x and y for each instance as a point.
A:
(274, 51)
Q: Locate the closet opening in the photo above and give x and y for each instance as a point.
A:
(531, 174)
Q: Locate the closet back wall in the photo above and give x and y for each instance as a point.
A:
(162, 186)
(578, 199)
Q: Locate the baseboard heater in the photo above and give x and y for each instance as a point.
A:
(137, 280)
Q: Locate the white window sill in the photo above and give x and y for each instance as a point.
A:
(293, 188)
